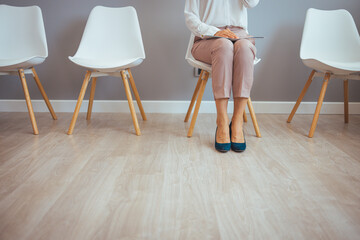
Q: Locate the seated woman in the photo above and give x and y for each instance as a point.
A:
(232, 61)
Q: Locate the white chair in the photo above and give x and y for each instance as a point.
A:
(200, 88)
(22, 46)
(331, 47)
(110, 46)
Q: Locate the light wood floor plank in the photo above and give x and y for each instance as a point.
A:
(106, 183)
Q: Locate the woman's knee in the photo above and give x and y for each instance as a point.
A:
(223, 47)
(245, 48)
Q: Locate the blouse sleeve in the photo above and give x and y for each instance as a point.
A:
(250, 3)
(193, 22)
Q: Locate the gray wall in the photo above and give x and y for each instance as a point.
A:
(165, 75)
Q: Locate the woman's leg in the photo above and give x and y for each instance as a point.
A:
(237, 120)
(244, 55)
(220, 54)
(222, 121)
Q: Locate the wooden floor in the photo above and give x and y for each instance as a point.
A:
(104, 182)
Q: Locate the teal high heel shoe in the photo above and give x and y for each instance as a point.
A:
(222, 147)
(237, 147)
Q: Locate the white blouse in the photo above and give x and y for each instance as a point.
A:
(203, 17)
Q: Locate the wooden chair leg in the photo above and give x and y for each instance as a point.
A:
(346, 100)
(78, 104)
(130, 101)
(245, 117)
(28, 101)
(91, 99)
(137, 96)
(319, 104)
(42, 91)
(198, 102)
(302, 94)
(194, 97)
(253, 118)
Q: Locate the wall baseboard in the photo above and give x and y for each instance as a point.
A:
(176, 106)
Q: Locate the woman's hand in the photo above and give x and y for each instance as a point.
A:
(227, 33)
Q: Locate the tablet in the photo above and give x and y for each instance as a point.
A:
(231, 39)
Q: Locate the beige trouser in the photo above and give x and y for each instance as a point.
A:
(232, 63)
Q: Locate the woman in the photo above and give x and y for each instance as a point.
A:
(232, 61)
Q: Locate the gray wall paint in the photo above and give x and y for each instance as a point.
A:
(165, 75)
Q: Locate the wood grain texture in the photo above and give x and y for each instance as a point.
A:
(319, 105)
(136, 94)
(91, 98)
(194, 96)
(205, 77)
(253, 118)
(106, 183)
(245, 117)
(79, 102)
(43, 93)
(28, 102)
(130, 102)
(346, 101)
(302, 94)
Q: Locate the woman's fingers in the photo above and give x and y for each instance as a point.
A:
(220, 33)
(227, 33)
(231, 34)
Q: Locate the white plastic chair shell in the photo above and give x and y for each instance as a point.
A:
(23, 40)
(330, 42)
(110, 46)
(111, 40)
(331, 47)
(198, 64)
(22, 46)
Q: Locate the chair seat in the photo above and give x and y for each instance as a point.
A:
(24, 63)
(107, 65)
(335, 67)
(197, 64)
(207, 67)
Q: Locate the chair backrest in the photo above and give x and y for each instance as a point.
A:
(190, 45)
(111, 33)
(22, 32)
(191, 60)
(330, 35)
